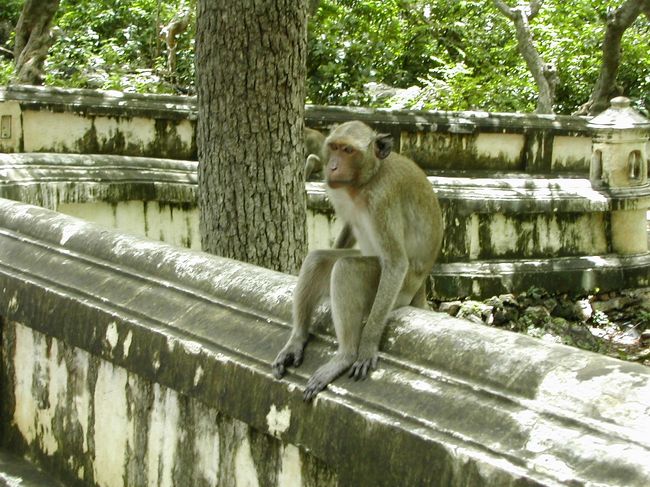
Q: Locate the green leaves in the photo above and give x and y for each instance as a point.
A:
(463, 54)
(115, 45)
(457, 55)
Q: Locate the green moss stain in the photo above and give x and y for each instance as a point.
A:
(447, 151)
(168, 143)
(537, 235)
(89, 143)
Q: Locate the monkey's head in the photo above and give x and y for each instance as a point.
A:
(353, 153)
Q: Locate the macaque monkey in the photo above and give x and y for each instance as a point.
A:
(389, 208)
(313, 146)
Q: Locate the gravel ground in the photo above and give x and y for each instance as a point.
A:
(613, 323)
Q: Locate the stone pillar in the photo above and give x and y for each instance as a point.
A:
(619, 166)
(10, 126)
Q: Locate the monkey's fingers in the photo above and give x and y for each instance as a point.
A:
(312, 390)
(325, 375)
(315, 384)
(360, 369)
(278, 370)
(284, 358)
(279, 366)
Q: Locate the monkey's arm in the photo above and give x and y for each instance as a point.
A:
(394, 269)
(346, 238)
(313, 164)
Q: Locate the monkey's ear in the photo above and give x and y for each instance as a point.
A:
(383, 145)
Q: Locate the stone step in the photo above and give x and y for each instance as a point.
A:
(18, 472)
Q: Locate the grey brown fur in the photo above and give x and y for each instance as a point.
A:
(390, 210)
(313, 147)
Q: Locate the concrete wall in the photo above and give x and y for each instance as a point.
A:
(518, 204)
(501, 235)
(91, 122)
(95, 122)
(128, 362)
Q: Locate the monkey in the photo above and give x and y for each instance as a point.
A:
(390, 210)
(313, 146)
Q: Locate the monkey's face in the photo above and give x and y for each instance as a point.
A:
(352, 154)
(343, 163)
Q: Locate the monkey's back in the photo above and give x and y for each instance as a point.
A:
(407, 191)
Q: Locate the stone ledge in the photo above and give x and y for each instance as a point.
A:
(17, 472)
(561, 274)
(48, 179)
(466, 122)
(452, 402)
(510, 194)
(98, 102)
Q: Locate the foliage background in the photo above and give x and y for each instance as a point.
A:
(456, 55)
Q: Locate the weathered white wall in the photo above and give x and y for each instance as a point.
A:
(168, 223)
(570, 152)
(176, 225)
(128, 362)
(136, 432)
(507, 147)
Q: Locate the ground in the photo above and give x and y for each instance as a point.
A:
(614, 323)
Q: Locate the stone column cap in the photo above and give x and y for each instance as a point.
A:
(620, 115)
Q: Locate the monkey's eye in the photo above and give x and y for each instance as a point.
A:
(333, 146)
(348, 149)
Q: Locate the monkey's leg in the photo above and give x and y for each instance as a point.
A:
(313, 285)
(368, 351)
(420, 298)
(352, 292)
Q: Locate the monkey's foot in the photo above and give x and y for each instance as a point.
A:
(291, 354)
(363, 365)
(325, 375)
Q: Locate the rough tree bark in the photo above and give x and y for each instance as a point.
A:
(544, 74)
(618, 21)
(33, 40)
(250, 67)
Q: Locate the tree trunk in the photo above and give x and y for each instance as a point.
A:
(33, 40)
(250, 68)
(544, 74)
(618, 21)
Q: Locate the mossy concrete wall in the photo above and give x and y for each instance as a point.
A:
(126, 361)
(501, 235)
(515, 189)
(96, 122)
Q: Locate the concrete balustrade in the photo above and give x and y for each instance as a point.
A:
(528, 200)
(127, 361)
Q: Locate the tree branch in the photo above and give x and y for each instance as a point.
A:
(544, 74)
(33, 39)
(535, 7)
(618, 21)
(646, 8)
(505, 9)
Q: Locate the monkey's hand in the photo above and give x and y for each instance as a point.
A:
(367, 360)
(291, 354)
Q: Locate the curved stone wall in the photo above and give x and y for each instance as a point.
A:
(126, 361)
(519, 206)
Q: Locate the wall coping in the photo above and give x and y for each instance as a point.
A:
(121, 104)
(101, 102)
(451, 398)
(175, 181)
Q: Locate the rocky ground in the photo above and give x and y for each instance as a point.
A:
(614, 323)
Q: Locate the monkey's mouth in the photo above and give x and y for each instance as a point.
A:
(338, 183)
